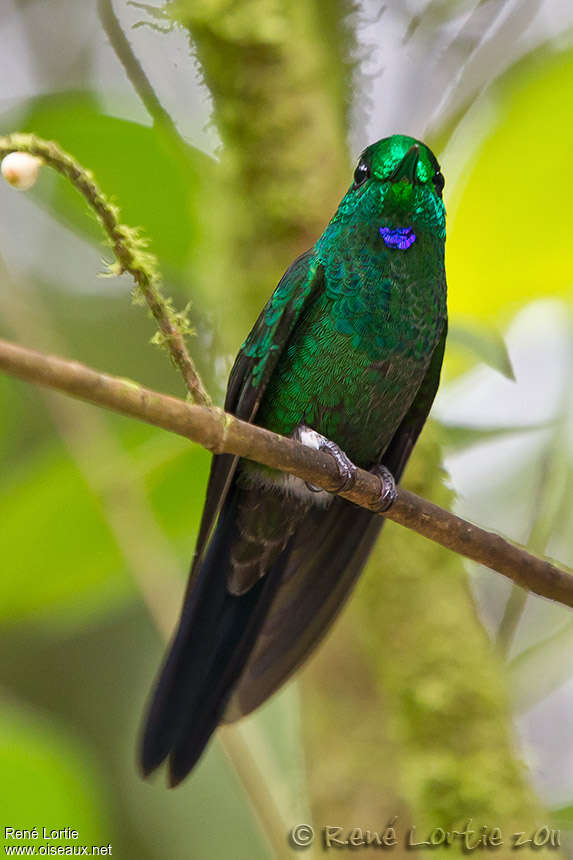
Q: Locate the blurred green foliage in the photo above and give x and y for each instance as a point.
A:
(154, 187)
(405, 710)
(67, 783)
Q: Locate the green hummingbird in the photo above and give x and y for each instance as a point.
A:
(346, 357)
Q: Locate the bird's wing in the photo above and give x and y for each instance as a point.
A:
(327, 554)
(398, 451)
(250, 375)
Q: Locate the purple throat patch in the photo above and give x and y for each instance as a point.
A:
(398, 237)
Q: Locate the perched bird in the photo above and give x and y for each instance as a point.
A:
(346, 357)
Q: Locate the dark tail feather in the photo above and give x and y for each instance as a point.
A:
(326, 556)
(215, 637)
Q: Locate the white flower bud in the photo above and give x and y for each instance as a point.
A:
(20, 169)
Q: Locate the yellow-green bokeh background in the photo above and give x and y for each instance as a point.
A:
(78, 645)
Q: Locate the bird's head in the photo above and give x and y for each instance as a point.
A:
(396, 194)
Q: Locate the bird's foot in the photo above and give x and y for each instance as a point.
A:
(346, 468)
(388, 492)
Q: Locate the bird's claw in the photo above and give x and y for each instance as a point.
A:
(388, 491)
(346, 468)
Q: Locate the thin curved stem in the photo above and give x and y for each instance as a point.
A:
(132, 67)
(129, 249)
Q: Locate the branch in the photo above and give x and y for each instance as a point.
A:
(128, 247)
(221, 433)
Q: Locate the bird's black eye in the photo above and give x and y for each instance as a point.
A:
(439, 182)
(361, 174)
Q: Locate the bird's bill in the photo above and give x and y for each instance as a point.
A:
(407, 167)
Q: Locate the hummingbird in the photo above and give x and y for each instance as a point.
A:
(345, 357)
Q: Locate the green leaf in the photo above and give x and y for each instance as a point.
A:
(484, 341)
(542, 668)
(151, 179)
(458, 437)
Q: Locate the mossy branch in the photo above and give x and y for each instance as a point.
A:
(220, 433)
(130, 251)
